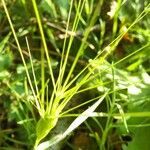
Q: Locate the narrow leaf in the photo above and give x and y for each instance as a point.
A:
(87, 113)
(4, 41)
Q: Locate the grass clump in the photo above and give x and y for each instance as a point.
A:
(74, 65)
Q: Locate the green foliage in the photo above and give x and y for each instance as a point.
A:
(77, 61)
(44, 126)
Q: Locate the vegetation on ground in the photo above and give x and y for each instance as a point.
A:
(74, 74)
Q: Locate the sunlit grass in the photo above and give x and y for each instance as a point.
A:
(66, 87)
